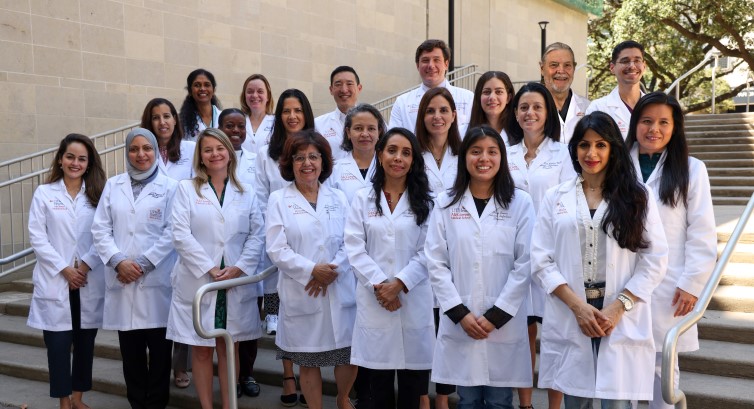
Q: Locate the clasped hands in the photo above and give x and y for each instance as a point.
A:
(598, 323)
(387, 292)
(226, 273)
(322, 276)
(76, 277)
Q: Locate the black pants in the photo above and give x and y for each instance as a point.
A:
(442, 388)
(363, 387)
(411, 385)
(147, 378)
(63, 378)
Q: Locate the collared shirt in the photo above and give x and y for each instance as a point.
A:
(593, 239)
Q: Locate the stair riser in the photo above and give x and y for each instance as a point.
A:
(732, 369)
(722, 181)
(730, 172)
(724, 191)
(711, 331)
(730, 201)
(720, 138)
(726, 304)
(702, 154)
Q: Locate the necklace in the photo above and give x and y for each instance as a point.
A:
(389, 197)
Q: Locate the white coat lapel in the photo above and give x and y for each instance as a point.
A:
(401, 207)
(297, 199)
(126, 189)
(210, 195)
(468, 204)
(516, 162)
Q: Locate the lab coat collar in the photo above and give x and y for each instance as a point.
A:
(296, 198)
(467, 201)
(401, 207)
(656, 173)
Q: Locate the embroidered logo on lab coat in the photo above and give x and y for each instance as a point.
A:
(413, 108)
(512, 166)
(296, 209)
(155, 214)
(373, 213)
(500, 215)
(156, 195)
(560, 209)
(348, 176)
(330, 133)
(57, 204)
(203, 201)
(459, 213)
(550, 165)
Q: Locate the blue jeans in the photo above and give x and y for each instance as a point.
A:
(577, 402)
(484, 397)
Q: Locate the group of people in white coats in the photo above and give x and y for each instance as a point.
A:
(522, 209)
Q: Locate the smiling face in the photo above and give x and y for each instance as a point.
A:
(75, 161)
(256, 96)
(432, 66)
(141, 153)
(593, 153)
(628, 67)
(397, 157)
(307, 165)
(439, 116)
(202, 89)
(557, 70)
(483, 160)
(234, 125)
(345, 90)
(654, 128)
(163, 123)
(494, 99)
(215, 156)
(531, 113)
(364, 132)
(292, 115)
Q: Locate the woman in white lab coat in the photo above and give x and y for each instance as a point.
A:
(384, 238)
(69, 286)
(537, 161)
(478, 260)
(305, 222)
(218, 234)
(201, 108)
(491, 106)
(131, 231)
(257, 103)
(175, 154)
(364, 126)
(680, 184)
(293, 113)
(599, 251)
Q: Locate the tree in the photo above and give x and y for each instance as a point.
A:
(676, 34)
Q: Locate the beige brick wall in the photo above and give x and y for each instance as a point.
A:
(91, 65)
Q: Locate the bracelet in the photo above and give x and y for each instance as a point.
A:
(628, 303)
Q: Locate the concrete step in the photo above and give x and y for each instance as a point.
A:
(720, 358)
(734, 298)
(720, 181)
(728, 326)
(743, 252)
(740, 274)
(23, 285)
(728, 163)
(720, 138)
(717, 392)
(728, 126)
(729, 201)
(15, 303)
(730, 171)
(732, 191)
(745, 152)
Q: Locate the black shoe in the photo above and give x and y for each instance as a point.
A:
(239, 391)
(302, 401)
(291, 399)
(249, 386)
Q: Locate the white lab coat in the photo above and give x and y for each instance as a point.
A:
(136, 228)
(481, 262)
(692, 248)
(255, 140)
(442, 178)
(406, 106)
(184, 168)
(60, 230)
(550, 167)
(298, 237)
(204, 233)
(612, 105)
(576, 110)
(267, 180)
(192, 134)
(246, 171)
(379, 248)
(347, 178)
(625, 365)
(331, 126)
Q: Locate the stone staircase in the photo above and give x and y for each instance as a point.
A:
(725, 142)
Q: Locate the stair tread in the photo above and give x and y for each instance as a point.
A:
(718, 387)
(727, 319)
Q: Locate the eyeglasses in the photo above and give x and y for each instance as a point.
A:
(313, 157)
(626, 62)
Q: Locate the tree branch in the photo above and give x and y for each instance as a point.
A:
(718, 98)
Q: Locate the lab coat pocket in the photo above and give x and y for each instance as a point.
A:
(157, 278)
(51, 287)
(502, 242)
(346, 283)
(111, 279)
(632, 329)
(297, 302)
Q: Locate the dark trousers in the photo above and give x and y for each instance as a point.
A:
(247, 352)
(442, 388)
(411, 385)
(147, 377)
(363, 387)
(63, 378)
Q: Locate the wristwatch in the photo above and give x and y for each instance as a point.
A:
(628, 303)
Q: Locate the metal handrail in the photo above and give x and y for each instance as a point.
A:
(676, 84)
(221, 332)
(671, 395)
(749, 78)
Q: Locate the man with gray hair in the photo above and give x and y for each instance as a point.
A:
(558, 65)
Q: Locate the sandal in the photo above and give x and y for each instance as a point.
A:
(525, 407)
(290, 399)
(182, 380)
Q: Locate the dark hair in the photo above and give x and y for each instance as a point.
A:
(417, 185)
(189, 111)
(344, 68)
(174, 144)
(552, 121)
(624, 45)
(478, 117)
(674, 183)
(301, 140)
(270, 102)
(347, 145)
(429, 45)
(94, 176)
(228, 111)
(454, 136)
(503, 185)
(279, 134)
(626, 197)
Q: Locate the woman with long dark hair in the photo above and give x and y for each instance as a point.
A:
(657, 141)
(598, 250)
(384, 236)
(69, 284)
(201, 107)
(491, 106)
(175, 153)
(477, 252)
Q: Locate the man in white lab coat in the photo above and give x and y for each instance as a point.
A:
(345, 88)
(627, 64)
(432, 60)
(557, 66)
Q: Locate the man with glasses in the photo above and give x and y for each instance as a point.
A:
(627, 65)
